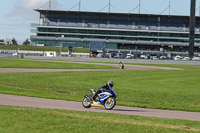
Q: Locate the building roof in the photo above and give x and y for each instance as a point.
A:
(105, 13)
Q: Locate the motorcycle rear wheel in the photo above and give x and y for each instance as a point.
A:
(110, 103)
(86, 103)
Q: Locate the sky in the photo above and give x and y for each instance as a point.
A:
(17, 15)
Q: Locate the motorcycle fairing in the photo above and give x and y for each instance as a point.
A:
(103, 95)
(96, 104)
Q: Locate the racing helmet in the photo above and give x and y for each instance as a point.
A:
(110, 83)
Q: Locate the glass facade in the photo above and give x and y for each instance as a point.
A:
(119, 35)
(60, 43)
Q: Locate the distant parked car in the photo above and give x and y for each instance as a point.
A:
(178, 58)
(186, 58)
(142, 56)
(107, 55)
(196, 58)
(155, 58)
(99, 55)
(119, 55)
(129, 56)
(163, 57)
(14, 54)
(116, 56)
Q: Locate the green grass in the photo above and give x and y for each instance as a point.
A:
(14, 63)
(163, 89)
(17, 120)
(46, 48)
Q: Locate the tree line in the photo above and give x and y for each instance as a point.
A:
(14, 42)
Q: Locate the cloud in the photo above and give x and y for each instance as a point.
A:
(24, 8)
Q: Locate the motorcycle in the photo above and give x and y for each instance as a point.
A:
(104, 99)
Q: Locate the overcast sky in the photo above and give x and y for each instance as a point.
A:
(16, 15)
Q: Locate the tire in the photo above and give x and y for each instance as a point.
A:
(86, 103)
(110, 105)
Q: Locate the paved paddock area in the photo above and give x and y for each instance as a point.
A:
(145, 61)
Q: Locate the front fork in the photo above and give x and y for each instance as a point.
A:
(109, 99)
(88, 98)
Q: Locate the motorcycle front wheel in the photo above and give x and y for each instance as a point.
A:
(86, 103)
(110, 103)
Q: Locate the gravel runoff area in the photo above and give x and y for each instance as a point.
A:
(23, 101)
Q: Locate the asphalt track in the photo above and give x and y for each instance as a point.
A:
(23, 101)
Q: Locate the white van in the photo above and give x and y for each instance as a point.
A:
(162, 57)
(178, 58)
(196, 58)
(142, 56)
(186, 58)
(129, 56)
(155, 58)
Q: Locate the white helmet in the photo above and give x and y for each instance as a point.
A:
(110, 83)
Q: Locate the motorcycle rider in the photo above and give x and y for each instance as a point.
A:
(105, 88)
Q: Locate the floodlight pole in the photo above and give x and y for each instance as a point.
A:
(192, 29)
(199, 9)
(109, 5)
(79, 5)
(169, 7)
(49, 4)
(139, 6)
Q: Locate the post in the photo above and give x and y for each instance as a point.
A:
(60, 50)
(49, 4)
(79, 5)
(169, 7)
(199, 9)
(139, 6)
(192, 29)
(109, 6)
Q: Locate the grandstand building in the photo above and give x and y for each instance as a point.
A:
(147, 32)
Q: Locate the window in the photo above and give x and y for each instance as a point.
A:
(53, 30)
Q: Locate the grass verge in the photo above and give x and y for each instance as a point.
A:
(31, 120)
(20, 63)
